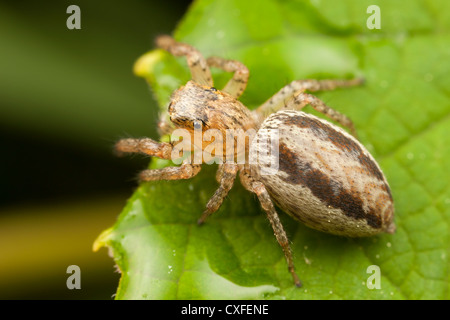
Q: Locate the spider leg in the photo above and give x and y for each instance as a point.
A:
(147, 146)
(185, 171)
(227, 176)
(267, 205)
(197, 64)
(161, 150)
(278, 100)
(219, 173)
(165, 126)
(237, 84)
(301, 99)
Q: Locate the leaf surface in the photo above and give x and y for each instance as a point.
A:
(402, 115)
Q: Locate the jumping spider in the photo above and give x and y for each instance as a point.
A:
(326, 178)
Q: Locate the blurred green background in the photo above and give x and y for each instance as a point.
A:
(65, 97)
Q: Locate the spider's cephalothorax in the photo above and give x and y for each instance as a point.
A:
(209, 106)
(321, 175)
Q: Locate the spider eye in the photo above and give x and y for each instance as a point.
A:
(197, 125)
(213, 89)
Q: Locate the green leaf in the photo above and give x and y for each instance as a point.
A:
(402, 115)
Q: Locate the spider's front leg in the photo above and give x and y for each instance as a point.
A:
(187, 170)
(161, 150)
(146, 146)
(197, 64)
(237, 84)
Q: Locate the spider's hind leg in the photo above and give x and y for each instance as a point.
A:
(266, 203)
(293, 96)
(302, 99)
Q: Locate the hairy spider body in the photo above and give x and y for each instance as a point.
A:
(200, 107)
(322, 176)
(326, 178)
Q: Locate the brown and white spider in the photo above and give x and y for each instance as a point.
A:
(325, 178)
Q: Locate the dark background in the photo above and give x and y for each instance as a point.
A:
(65, 97)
